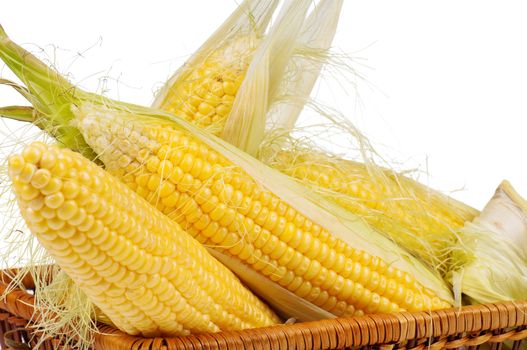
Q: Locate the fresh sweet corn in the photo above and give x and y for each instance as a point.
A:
(413, 215)
(224, 208)
(204, 89)
(139, 267)
(206, 93)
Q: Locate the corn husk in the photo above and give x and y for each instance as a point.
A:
(490, 257)
(285, 61)
(311, 54)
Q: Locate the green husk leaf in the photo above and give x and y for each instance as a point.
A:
(20, 113)
(20, 89)
(50, 93)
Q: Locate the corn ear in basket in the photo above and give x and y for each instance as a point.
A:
(138, 266)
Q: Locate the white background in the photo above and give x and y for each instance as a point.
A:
(446, 80)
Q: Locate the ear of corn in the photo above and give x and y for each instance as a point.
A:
(204, 89)
(139, 267)
(413, 215)
(338, 265)
(231, 202)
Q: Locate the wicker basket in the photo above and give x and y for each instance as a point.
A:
(468, 327)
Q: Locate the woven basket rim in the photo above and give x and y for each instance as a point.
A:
(334, 333)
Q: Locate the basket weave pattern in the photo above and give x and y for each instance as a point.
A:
(462, 328)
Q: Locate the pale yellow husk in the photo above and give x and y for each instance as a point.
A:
(490, 258)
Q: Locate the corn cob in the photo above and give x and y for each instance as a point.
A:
(255, 216)
(413, 215)
(224, 208)
(204, 89)
(144, 272)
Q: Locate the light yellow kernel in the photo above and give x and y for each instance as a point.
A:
(143, 155)
(165, 168)
(194, 100)
(223, 110)
(166, 189)
(279, 251)
(152, 164)
(271, 244)
(16, 163)
(154, 182)
(67, 232)
(229, 88)
(86, 224)
(217, 89)
(41, 178)
(54, 185)
(27, 173)
(70, 189)
(185, 184)
(123, 161)
(78, 218)
(48, 160)
(47, 213)
(32, 215)
(37, 203)
(205, 108)
(55, 223)
(32, 154)
(304, 289)
(29, 193)
(313, 270)
(187, 162)
(54, 200)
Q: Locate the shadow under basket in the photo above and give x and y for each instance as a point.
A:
(492, 326)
